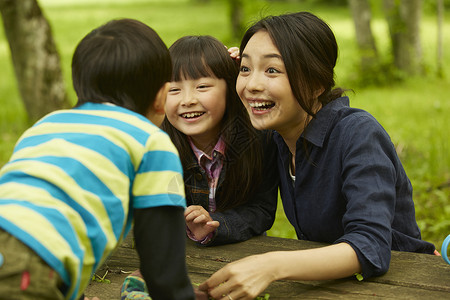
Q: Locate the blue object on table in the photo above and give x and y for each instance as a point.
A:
(444, 249)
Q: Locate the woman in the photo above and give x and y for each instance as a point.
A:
(342, 182)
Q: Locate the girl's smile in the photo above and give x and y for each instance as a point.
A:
(196, 108)
(192, 116)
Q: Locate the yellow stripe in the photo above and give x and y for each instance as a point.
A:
(161, 182)
(116, 115)
(118, 137)
(108, 173)
(109, 114)
(47, 234)
(91, 202)
(160, 141)
(42, 197)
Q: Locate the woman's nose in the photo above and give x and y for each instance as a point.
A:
(254, 83)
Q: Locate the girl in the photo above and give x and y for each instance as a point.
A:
(341, 180)
(231, 195)
(231, 187)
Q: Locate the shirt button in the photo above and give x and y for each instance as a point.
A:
(214, 154)
(198, 176)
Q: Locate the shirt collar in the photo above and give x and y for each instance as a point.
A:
(319, 127)
(218, 148)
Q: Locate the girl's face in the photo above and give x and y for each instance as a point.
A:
(263, 86)
(196, 108)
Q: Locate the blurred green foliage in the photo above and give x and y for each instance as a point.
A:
(414, 111)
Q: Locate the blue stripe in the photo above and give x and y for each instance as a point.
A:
(86, 180)
(117, 155)
(68, 117)
(107, 107)
(95, 235)
(161, 161)
(148, 201)
(43, 252)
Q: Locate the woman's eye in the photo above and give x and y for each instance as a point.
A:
(244, 69)
(272, 71)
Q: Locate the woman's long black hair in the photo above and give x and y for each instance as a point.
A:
(309, 51)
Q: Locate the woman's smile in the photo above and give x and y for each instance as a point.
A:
(261, 106)
(264, 88)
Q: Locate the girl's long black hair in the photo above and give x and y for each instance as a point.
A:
(194, 57)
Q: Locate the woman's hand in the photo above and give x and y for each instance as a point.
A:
(242, 279)
(248, 277)
(199, 221)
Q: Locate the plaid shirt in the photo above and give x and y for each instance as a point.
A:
(212, 165)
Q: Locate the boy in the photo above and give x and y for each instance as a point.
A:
(77, 177)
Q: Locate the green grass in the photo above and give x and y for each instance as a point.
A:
(415, 112)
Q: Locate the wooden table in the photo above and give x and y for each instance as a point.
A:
(411, 275)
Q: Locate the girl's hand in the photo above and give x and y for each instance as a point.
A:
(199, 221)
(234, 53)
(200, 295)
(95, 298)
(242, 279)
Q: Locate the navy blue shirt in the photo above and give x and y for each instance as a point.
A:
(350, 186)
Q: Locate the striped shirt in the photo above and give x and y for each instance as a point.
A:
(73, 180)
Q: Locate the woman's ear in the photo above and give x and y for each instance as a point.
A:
(318, 92)
(156, 112)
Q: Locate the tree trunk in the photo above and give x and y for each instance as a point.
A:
(361, 13)
(404, 18)
(236, 18)
(35, 58)
(440, 17)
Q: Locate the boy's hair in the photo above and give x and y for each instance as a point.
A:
(309, 51)
(123, 62)
(204, 56)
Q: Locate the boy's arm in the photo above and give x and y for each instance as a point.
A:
(160, 238)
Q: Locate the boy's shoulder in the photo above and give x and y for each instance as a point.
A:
(114, 112)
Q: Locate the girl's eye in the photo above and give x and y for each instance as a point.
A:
(174, 90)
(203, 86)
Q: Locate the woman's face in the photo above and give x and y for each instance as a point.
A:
(264, 88)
